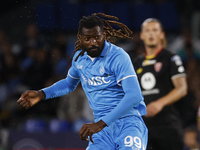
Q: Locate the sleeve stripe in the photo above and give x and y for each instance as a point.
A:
(72, 76)
(178, 75)
(125, 78)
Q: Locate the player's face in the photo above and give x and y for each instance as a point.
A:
(92, 40)
(152, 34)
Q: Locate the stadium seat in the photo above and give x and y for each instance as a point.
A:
(45, 15)
(35, 125)
(56, 125)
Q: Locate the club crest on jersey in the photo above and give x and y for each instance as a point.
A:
(101, 70)
(158, 66)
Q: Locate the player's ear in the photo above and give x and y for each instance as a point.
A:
(79, 36)
(104, 33)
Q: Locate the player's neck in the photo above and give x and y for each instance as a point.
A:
(152, 51)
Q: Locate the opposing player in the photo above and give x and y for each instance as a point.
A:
(110, 83)
(163, 82)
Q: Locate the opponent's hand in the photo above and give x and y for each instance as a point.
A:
(153, 108)
(89, 129)
(30, 98)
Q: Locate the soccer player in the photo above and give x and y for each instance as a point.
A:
(163, 82)
(110, 83)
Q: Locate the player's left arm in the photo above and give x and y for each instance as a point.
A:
(127, 79)
(132, 97)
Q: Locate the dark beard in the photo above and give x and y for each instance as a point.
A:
(92, 53)
(152, 46)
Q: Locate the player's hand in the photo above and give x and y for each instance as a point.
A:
(30, 98)
(153, 108)
(89, 129)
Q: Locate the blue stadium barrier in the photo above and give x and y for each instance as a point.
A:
(56, 125)
(35, 125)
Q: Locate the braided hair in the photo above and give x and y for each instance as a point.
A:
(111, 34)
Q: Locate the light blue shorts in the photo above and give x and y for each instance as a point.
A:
(129, 133)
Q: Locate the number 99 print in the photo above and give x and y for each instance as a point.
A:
(133, 142)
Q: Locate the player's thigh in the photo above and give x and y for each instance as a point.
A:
(132, 140)
(102, 141)
(134, 135)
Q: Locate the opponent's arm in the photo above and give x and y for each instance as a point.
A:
(180, 90)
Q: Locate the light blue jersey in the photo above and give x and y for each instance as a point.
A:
(101, 80)
(114, 94)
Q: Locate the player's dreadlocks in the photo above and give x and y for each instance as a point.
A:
(111, 34)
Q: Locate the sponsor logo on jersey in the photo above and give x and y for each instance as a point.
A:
(96, 80)
(148, 62)
(151, 92)
(158, 66)
(148, 81)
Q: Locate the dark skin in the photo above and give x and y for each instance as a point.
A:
(92, 41)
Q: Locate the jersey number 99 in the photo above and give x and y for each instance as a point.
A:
(129, 141)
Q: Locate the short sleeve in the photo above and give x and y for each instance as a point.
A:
(176, 67)
(123, 67)
(73, 71)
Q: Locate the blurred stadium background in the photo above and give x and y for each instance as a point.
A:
(36, 46)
